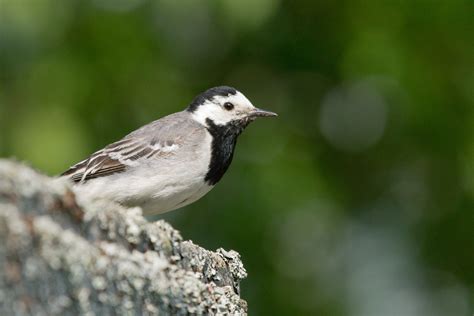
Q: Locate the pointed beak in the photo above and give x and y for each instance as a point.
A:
(261, 113)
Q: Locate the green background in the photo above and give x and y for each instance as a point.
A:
(357, 200)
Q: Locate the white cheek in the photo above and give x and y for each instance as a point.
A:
(214, 113)
(220, 116)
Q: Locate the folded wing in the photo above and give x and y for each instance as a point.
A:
(119, 156)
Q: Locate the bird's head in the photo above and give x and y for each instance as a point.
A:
(225, 105)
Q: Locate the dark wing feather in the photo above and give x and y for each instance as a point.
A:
(103, 165)
(116, 157)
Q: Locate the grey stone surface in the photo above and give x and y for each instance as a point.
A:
(60, 255)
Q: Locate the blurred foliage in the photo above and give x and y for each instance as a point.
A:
(357, 200)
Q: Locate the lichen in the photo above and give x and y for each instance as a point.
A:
(65, 255)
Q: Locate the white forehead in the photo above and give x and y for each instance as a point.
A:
(213, 109)
(239, 100)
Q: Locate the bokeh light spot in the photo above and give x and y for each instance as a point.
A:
(118, 5)
(49, 139)
(248, 13)
(28, 21)
(353, 118)
(187, 29)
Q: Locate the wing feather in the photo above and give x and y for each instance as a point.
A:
(117, 157)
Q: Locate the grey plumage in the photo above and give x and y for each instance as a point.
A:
(147, 142)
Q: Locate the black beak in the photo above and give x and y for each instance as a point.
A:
(261, 113)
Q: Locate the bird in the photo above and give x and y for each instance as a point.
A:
(170, 162)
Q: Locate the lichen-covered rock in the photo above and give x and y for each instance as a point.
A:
(65, 256)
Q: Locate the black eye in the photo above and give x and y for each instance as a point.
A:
(228, 106)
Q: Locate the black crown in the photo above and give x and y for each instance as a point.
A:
(209, 94)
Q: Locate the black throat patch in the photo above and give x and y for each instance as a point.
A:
(224, 138)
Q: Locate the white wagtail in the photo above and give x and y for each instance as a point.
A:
(173, 161)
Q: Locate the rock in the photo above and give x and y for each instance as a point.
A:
(65, 256)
